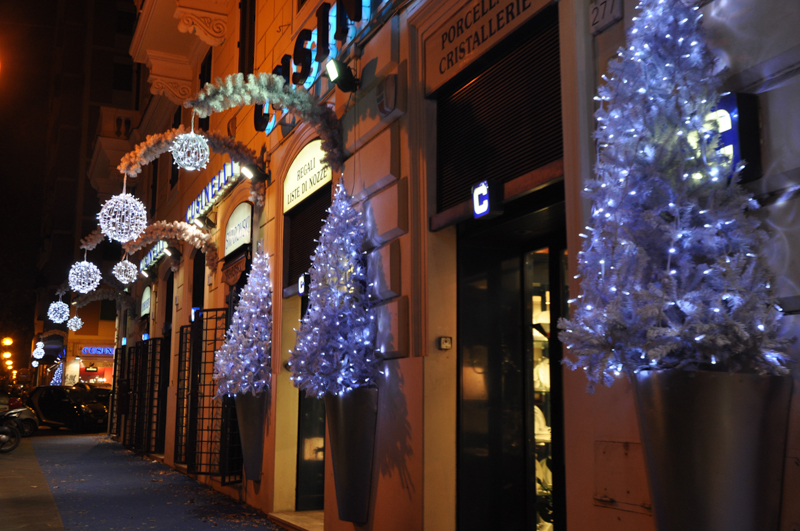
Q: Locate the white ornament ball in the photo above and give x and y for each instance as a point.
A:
(123, 218)
(75, 323)
(125, 272)
(39, 344)
(58, 312)
(38, 352)
(34, 364)
(190, 151)
(84, 277)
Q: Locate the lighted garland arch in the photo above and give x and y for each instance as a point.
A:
(177, 231)
(156, 145)
(259, 89)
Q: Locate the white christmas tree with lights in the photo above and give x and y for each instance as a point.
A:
(243, 364)
(673, 269)
(334, 352)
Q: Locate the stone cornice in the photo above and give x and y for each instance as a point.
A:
(208, 24)
(170, 76)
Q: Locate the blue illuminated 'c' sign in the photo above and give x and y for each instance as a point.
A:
(480, 199)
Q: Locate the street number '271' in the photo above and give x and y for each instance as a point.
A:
(603, 13)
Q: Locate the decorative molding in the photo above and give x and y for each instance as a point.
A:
(170, 76)
(210, 27)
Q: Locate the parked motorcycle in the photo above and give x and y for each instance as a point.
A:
(9, 438)
(23, 418)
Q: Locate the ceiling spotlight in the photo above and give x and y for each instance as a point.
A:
(341, 74)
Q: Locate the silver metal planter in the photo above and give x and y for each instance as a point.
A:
(251, 412)
(714, 448)
(352, 418)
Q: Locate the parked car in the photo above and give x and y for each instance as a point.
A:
(23, 418)
(68, 407)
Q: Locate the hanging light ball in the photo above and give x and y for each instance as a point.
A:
(123, 218)
(84, 277)
(58, 312)
(125, 272)
(75, 323)
(34, 364)
(38, 352)
(190, 151)
(39, 344)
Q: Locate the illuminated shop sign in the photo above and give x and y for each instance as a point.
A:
(145, 301)
(213, 191)
(238, 231)
(487, 199)
(153, 255)
(98, 351)
(301, 68)
(306, 175)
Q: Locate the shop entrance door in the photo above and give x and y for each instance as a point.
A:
(510, 446)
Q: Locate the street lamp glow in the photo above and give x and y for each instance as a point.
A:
(7, 341)
(9, 363)
(6, 355)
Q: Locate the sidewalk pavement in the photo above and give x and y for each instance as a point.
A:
(97, 485)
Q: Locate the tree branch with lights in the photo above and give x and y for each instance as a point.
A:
(674, 270)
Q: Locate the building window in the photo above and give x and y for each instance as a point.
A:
(205, 77)
(122, 77)
(302, 226)
(247, 36)
(108, 310)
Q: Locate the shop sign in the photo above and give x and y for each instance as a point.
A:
(153, 255)
(97, 351)
(306, 175)
(471, 31)
(487, 199)
(214, 190)
(238, 231)
(145, 301)
(301, 68)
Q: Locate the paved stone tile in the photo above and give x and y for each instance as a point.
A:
(99, 486)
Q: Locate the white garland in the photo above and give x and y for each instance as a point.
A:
(259, 89)
(95, 238)
(156, 145)
(123, 299)
(177, 230)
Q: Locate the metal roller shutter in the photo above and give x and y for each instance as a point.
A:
(505, 119)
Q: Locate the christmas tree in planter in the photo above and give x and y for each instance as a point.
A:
(242, 367)
(676, 289)
(334, 356)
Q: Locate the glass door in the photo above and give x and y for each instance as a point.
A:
(510, 448)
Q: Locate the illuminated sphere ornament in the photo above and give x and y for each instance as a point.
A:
(125, 272)
(123, 218)
(39, 344)
(190, 151)
(75, 323)
(58, 312)
(38, 352)
(34, 364)
(84, 277)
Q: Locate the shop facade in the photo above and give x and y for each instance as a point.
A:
(468, 142)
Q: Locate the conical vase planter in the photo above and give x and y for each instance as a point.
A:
(251, 412)
(352, 418)
(714, 446)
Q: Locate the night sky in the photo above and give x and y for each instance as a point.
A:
(26, 49)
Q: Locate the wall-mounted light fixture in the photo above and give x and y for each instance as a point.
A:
(253, 172)
(341, 75)
(173, 252)
(209, 221)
